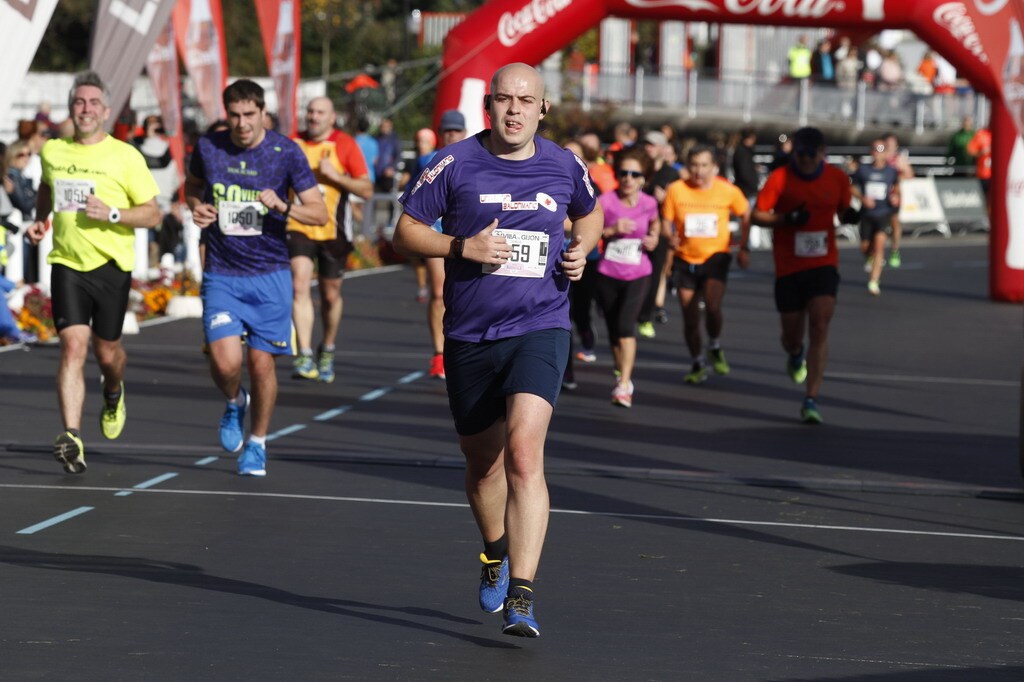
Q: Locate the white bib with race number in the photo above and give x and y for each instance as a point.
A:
(876, 190)
(625, 251)
(241, 218)
(529, 256)
(811, 244)
(70, 195)
(700, 225)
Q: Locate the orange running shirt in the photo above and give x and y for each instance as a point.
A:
(814, 244)
(345, 155)
(701, 217)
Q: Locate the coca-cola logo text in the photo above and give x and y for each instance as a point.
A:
(807, 9)
(953, 17)
(512, 26)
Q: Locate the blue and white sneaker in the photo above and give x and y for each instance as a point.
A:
(493, 583)
(518, 614)
(253, 460)
(232, 425)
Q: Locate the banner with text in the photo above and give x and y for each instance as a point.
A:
(281, 42)
(162, 67)
(199, 33)
(21, 28)
(123, 34)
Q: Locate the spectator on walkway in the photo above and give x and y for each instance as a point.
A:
(389, 151)
(956, 150)
(800, 59)
(890, 73)
(823, 63)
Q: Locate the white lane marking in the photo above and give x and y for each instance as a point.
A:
(331, 414)
(54, 521)
(146, 484)
(409, 378)
(376, 393)
(156, 321)
(285, 431)
(205, 460)
(383, 270)
(570, 512)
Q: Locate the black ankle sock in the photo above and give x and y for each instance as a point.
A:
(497, 550)
(74, 432)
(112, 398)
(799, 354)
(518, 587)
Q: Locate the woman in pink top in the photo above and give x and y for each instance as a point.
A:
(631, 228)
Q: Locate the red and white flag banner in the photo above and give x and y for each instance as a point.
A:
(199, 33)
(22, 23)
(162, 67)
(280, 27)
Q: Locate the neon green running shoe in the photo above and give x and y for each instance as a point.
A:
(698, 374)
(69, 451)
(797, 369)
(894, 259)
(718, 362)
(809, 412)
(646, 330)
(303, 367)
(325, 367)
(112, 419)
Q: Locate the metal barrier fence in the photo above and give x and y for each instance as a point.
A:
(742, 97)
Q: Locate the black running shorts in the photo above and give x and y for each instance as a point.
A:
(794, 291)
(330, 255)
(99, 297)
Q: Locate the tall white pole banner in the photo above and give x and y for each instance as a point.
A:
(22, 24)
(123, 34)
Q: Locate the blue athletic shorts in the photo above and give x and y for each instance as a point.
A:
(257, 305)
(481, 375)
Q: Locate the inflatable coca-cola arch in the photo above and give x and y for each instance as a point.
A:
(981, 38)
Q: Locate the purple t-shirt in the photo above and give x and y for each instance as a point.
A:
(235, 174)
(624, 258)
(468, 187)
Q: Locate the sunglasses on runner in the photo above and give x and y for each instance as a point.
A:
(630, 174)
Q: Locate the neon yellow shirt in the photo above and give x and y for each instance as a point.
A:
(117, 174)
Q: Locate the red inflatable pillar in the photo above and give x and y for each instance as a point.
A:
(1006, 209)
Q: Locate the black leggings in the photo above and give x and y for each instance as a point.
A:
(621, 300)
(581, 295)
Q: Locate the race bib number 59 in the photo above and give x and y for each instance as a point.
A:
(529, 256)
(70, 195)
(241, 218)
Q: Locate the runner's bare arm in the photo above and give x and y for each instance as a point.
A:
(361, 186)
(203, 214)
(308, 210)
(144, 215)
(44, 199)
(586, 231)
(413, 238)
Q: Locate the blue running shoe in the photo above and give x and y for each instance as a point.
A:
(253, 460)
(519, 621)
(493, 583)
(232, 424)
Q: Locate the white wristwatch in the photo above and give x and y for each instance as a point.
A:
(114, 216)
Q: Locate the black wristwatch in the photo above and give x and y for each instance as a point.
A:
(458, 243)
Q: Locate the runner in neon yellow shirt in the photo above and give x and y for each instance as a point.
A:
(99, 190)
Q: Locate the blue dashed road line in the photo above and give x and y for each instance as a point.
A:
(147, 484)
(54, 521)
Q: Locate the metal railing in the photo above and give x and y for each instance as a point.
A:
(746, 96)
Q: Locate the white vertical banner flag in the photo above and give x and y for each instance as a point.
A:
(22, 23)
